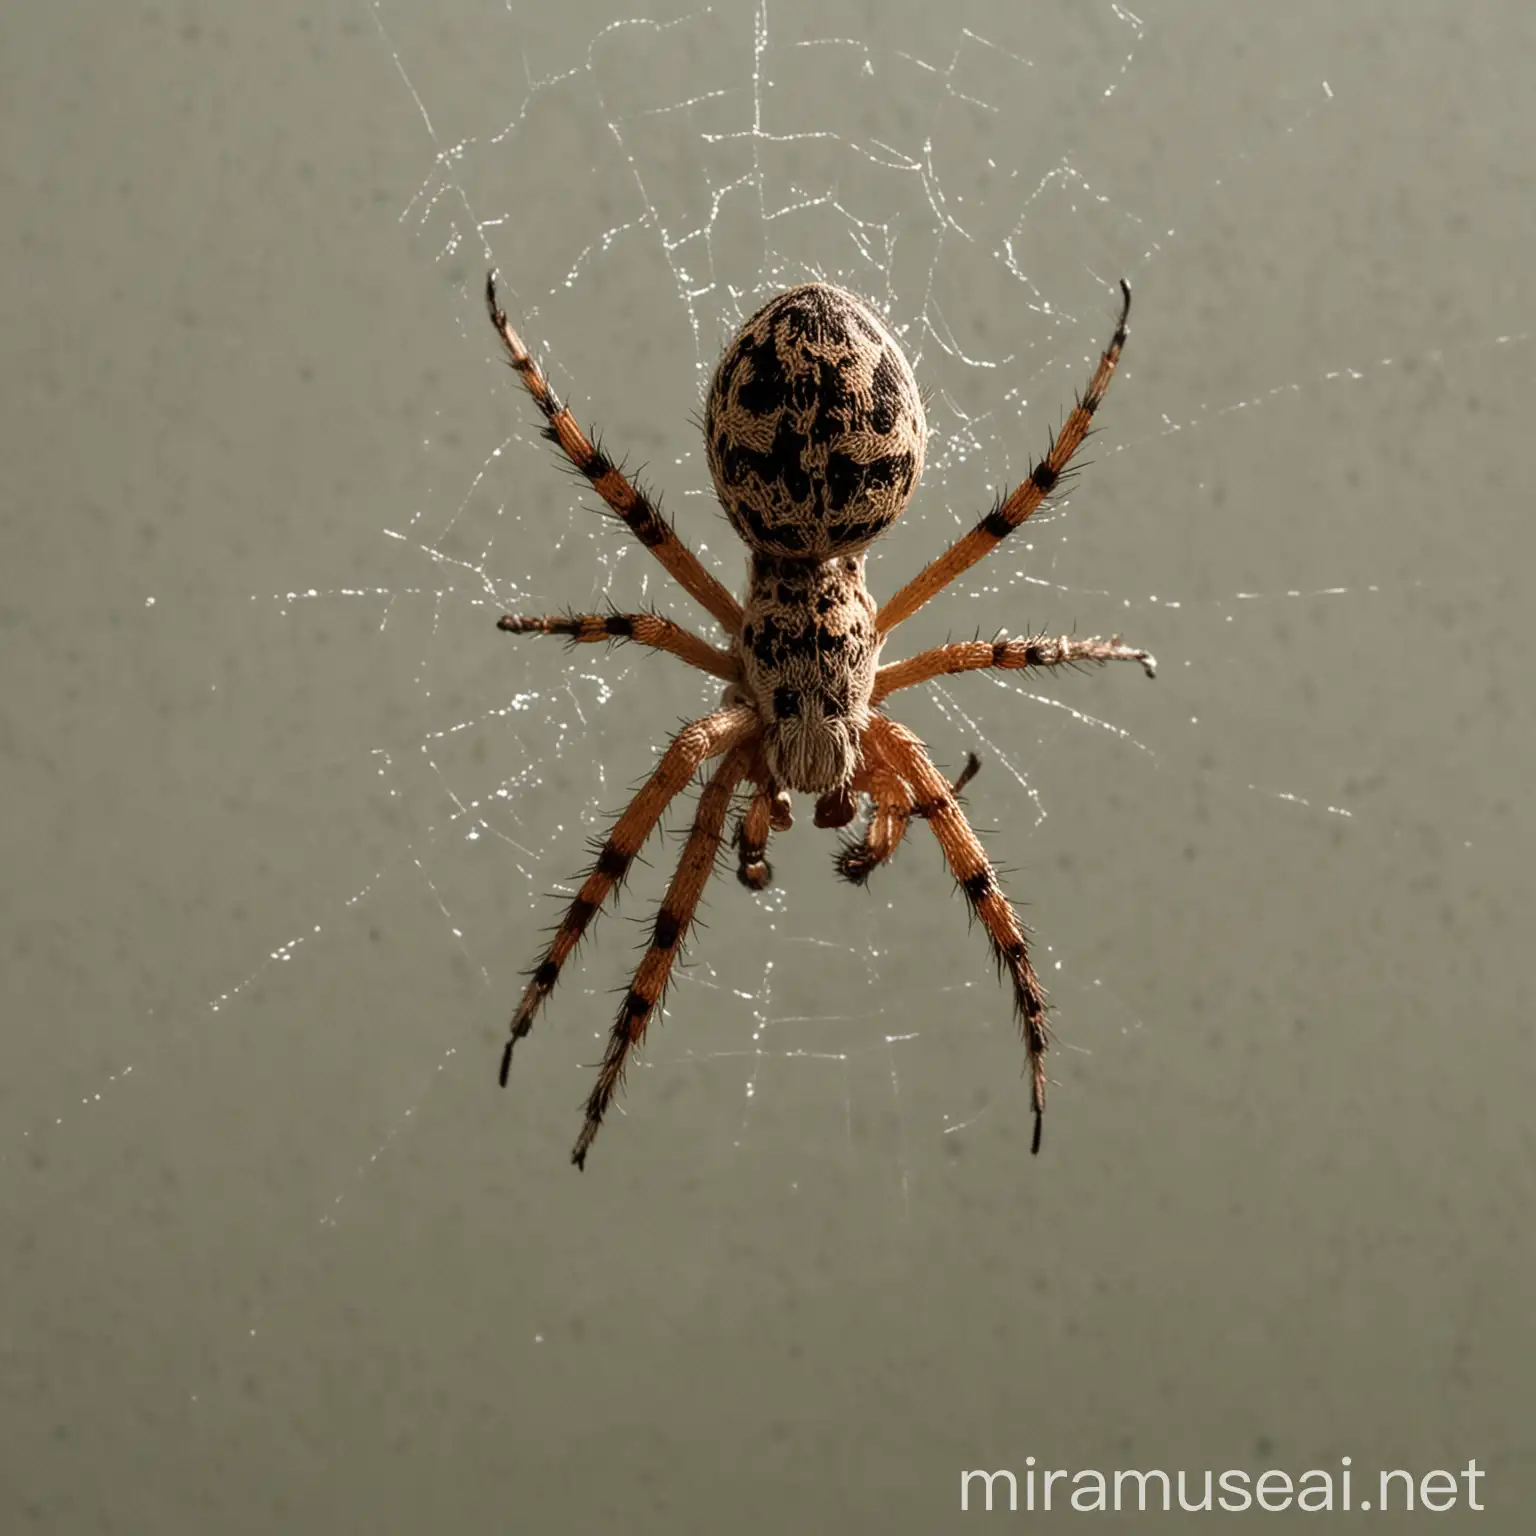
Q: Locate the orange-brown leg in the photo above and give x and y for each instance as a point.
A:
(975, 876)
(667, 937)
(891, 805)
(626, 499)
(752, 831)
(696, 743)
(643, 628)
(768, 811)
(892, 801)
(1012, 510)
(974, 655)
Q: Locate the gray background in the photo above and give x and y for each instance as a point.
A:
(283, 810)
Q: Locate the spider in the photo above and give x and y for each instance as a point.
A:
(815, 431)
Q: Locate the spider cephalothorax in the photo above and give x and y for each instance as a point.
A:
(815, 433)
(808, 651)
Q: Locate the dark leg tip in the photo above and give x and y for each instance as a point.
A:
(506, 1063)
(1034, 1146)
(854, 863)
(756, 876)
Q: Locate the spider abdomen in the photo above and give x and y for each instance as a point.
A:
(808, 653)
(814, 425)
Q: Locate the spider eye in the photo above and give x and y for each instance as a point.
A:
(786, 702)
(829, 705)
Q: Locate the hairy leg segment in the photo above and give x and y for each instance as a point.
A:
(935, 803)
(648, 629)
(668, 934)
(1026, 498)
(1008, 655)
(892, 805)
(693, 746)
(624, 498)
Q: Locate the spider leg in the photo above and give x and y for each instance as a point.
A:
(768, 811)
(629, 503)
(671, 929)
(1025, 498)
(643, 628)
(974, 655)
(976, 877)
(696, 743)
(893, 801)
(752, 830)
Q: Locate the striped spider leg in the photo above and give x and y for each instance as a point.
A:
(673, 918)
(934, 801)
(903, 781)
(1025, 498)
(627, 501)
(692, 747)
(891, 798)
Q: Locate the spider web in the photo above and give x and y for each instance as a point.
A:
(795, 169)
(637, 180)
(821, 154)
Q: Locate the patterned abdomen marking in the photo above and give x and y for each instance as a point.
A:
(814, 425)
